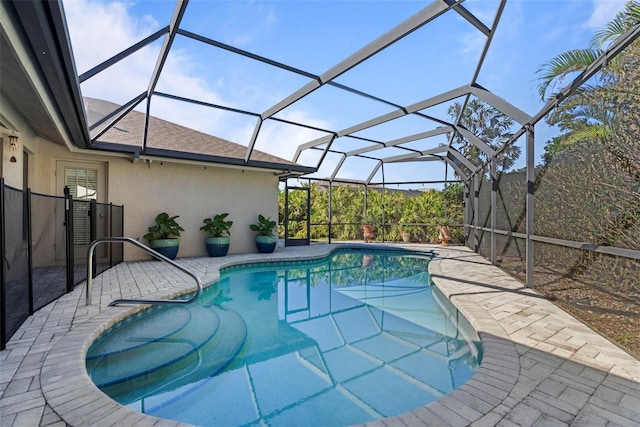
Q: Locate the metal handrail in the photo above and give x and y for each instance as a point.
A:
(155, 255)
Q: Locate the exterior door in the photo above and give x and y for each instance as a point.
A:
(86, 182)
(297, 222)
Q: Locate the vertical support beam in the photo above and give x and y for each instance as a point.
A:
(494, 192)
(93, 233)
(68, 222)
(476, 206)
(27, 218)
(444, 201)
(286, 212)
(121, 234)
(530, 203)
(330, 214)
(384, 209)
(3, 302)
(110, 234)
(364, 212)
(464, 213)
(467, 217)
(309, 213)
(145, 130)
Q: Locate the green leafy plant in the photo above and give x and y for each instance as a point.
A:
(444, 221)
(165, 227)
(264, 227)
(217, 226)
(406, 222)
(368, 220)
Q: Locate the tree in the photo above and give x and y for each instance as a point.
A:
(399, 207)
(555, 72)
(604, 111)
(488, 124)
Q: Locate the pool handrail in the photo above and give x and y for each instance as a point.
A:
(153, 253)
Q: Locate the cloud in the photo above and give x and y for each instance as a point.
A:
(99, 30)
(245, 23)
(473, 41)
(472, 45)
(91, 23)
(282, 139)
(603, 12)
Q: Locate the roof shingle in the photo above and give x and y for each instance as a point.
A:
(169, 136)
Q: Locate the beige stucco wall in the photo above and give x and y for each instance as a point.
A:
(12, 172)
(145, 189)
(194, 193)
(191, 191)
(45, 228)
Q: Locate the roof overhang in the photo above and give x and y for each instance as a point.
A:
(39, 79)
(41, 83)
(158, 154)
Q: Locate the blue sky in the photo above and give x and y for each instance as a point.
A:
(314, 36)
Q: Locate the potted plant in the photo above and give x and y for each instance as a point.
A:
(368, 231)
(265, 240)
(406, 227)
(163, 235)
(406, 233)
(444, 234)
(218, 230)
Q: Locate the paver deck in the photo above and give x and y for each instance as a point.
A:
(541, 366)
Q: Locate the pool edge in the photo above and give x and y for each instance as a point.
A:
(70, 392)
(566, 348)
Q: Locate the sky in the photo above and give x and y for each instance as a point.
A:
(314, 36)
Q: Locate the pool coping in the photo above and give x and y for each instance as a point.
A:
(540, 365)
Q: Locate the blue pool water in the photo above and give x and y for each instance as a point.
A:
(352, 338)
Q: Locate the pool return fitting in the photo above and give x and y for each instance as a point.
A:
(152, 253)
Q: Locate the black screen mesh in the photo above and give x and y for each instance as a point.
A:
(16, 262)
(48, 249)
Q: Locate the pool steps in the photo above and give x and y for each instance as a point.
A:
(216, 336)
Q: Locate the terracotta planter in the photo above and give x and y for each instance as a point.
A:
(367, 260)
(367, 233)
(445, 235)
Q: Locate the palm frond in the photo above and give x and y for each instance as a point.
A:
(555, 71)
(620, 24)
(591, 132)
(633, 12)
(609, 34)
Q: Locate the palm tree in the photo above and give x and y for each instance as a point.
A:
(553, 73)
(488, 124)
(605, 110)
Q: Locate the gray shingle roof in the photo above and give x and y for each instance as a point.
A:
(169, 136)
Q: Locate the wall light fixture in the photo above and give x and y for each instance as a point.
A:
(13, 142)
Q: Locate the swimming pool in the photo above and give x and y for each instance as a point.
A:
(352, 338)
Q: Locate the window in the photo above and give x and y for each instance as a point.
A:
(83, 186)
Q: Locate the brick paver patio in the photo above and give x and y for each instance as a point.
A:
(541, 366)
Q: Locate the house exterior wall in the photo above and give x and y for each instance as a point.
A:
(191, 191)
(194, 193)
(27, 140)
